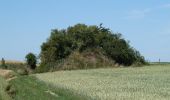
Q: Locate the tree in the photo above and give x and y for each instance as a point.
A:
(81, 37)
(31, 60)
(3, 64)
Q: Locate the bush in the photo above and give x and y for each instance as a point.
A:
(44, 67)
(22, 71)
(31, 60)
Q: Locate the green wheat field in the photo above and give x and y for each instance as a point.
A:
(139, 83)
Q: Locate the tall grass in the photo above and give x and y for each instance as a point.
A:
(141, 83)
(29, 88)
(3, 93)
(77, 60)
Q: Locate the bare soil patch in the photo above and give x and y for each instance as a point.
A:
(7, 74)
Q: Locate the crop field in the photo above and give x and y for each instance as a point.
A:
(132, 83)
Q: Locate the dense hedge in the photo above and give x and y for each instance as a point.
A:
(81, 37)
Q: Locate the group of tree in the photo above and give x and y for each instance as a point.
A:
(81, 37)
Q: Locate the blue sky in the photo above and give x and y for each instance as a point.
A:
(25, 24)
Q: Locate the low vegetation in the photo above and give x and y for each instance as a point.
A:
(3, 93)
(12, 65)
(142, 83)
(18, 67)
(29, 88)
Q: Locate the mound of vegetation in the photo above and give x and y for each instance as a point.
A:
(83, 60)
(80, 40)
(86, 60)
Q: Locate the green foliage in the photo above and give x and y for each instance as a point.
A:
(45, 67)
(3, 61)
(22, 71)
(16, 67)
(31, 60)
(62, 43)
(3, 64)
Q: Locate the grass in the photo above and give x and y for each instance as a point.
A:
(140, 83)
(29, 88)
(3, 94)
(15, 66)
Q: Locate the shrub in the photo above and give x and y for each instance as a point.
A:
(31, 60)
(44, 67)
(22, 71)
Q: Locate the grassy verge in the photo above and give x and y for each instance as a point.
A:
(29, 88)
(3, 94)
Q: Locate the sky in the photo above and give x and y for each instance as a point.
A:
(26, 24)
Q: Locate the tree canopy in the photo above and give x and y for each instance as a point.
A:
(31, 60)
(81, 37)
